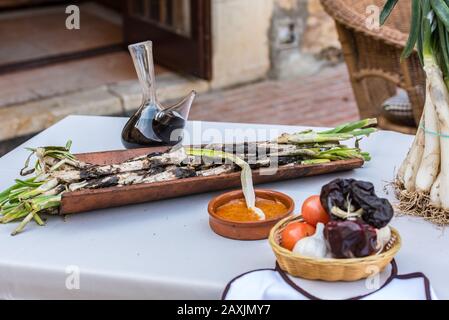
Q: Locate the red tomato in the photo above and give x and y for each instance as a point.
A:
(313, 212)
(295, 231)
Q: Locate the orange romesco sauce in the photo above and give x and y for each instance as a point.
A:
(236, 210)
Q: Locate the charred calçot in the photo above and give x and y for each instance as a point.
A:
(57, 170)
(353, 199)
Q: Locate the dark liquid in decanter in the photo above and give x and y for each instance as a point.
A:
(153, 127)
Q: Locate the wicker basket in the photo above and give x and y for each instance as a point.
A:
(329, 269)
(373, 56)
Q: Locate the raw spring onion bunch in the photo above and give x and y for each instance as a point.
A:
(422, 182)
(56, 170)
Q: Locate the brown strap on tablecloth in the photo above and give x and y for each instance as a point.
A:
(394, 275)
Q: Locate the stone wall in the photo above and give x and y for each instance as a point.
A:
(240, 41)
(303, 39)
(320, 32)
(288, 24)
(253, 39)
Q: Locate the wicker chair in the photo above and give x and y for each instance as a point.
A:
(373, 58)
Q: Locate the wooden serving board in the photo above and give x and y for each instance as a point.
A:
(92, 199)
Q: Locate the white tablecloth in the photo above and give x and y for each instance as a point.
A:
(166, 249)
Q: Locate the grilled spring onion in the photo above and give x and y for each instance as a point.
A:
(422, 182)
(343, 132)
(61, 154)
(57, 170)
(128, 178)
(330, 152)
(245, 176)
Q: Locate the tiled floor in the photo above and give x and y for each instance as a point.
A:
(325, 99)
(37, 33)
(66, 77)
(13, 3)
(100, 27)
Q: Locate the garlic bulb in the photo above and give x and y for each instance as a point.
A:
(313, 246)
(383, 236)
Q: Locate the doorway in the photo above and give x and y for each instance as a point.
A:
(33, 32)
(179, 29)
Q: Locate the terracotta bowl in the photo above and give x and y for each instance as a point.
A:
(246, 230)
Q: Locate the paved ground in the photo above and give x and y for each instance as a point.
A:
(41, 32)
(325, 99)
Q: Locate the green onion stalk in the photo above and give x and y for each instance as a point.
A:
(422, 182)
(245, 176)
(56, 170)
(343, 132)
(27, 199)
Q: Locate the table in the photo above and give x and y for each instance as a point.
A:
(165, 249)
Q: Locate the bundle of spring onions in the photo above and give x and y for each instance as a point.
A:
(422, 184)
(57, 171)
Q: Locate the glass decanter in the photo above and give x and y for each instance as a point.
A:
(153, 124)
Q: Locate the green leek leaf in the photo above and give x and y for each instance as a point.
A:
(426, 25)
(442, 11)
(387, 9)
(414, 29)
(443, 46)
